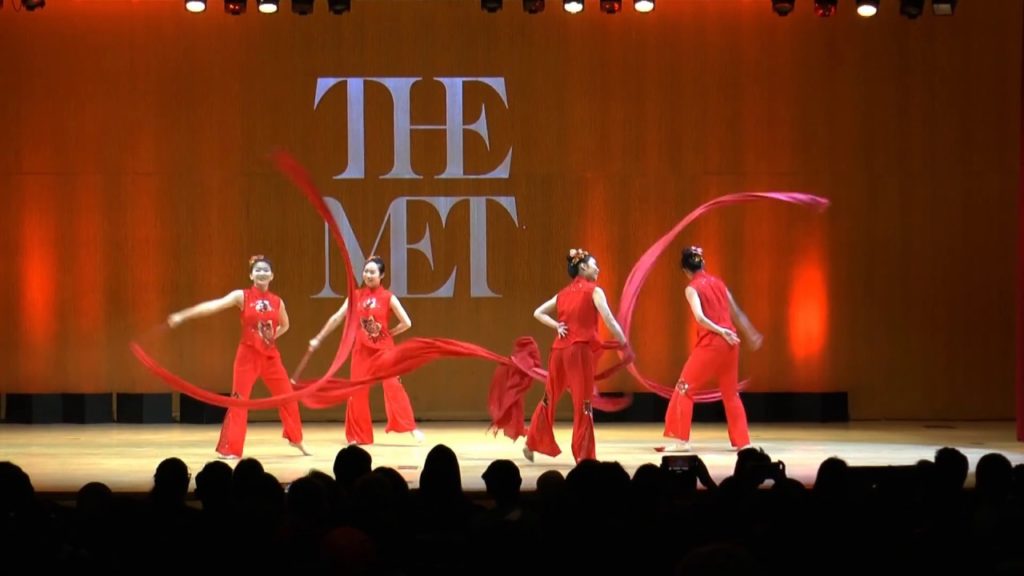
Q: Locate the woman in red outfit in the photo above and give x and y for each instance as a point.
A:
(373, 305)
(573, 357)
(715, 358)
(264, 320)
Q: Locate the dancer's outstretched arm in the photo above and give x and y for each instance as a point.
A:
(752, 336)
(234, 298)
(329, 327)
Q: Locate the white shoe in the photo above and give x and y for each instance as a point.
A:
(744, 447)
(418, 435)
(527, 453)
(226, 456)
(678, 447)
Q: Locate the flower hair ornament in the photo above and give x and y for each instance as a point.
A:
(577, 255)
(256, 258)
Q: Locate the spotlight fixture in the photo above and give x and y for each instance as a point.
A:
(267, 6)
(195, 6)
(490, 6)
(234, 7)
(911, 8)
(302, 7)
(825, 8)
(943, 7)
(533, 6)
(867, 8)
(32, 5)
(572, 6)
(339, 6)
(611, 6)
(783, 7)
(643, 6)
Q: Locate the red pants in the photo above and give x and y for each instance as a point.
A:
(358, 422)
(708, 365)
(572, 368)
(250, 365)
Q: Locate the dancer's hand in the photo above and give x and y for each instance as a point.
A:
(266, 331)
(730, 337)
(175, 319)
(754, 340)
(314, 343)
(563, 329)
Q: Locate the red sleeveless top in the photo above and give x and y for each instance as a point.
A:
(373, 308)
(261, 315)
(714, 300)
(575, 307)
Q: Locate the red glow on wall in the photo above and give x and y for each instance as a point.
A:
(38, 275)
(808, 311)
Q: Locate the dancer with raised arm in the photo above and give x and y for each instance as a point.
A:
(264, 320)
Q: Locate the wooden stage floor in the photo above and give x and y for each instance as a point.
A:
(61, 458)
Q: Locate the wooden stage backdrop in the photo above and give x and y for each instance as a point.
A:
(473, 149)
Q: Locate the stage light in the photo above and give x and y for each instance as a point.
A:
(302, 7)
(643, 6)
(533, 6)
(572, 6)
(268, 6)
(867, 8)
(31, 5)
(611, 6)
(195, 6)
(339, 6)
(490, 6)
(943, 7)
(234, 7)
(825, 8)
(911, 8)
(783, 7)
